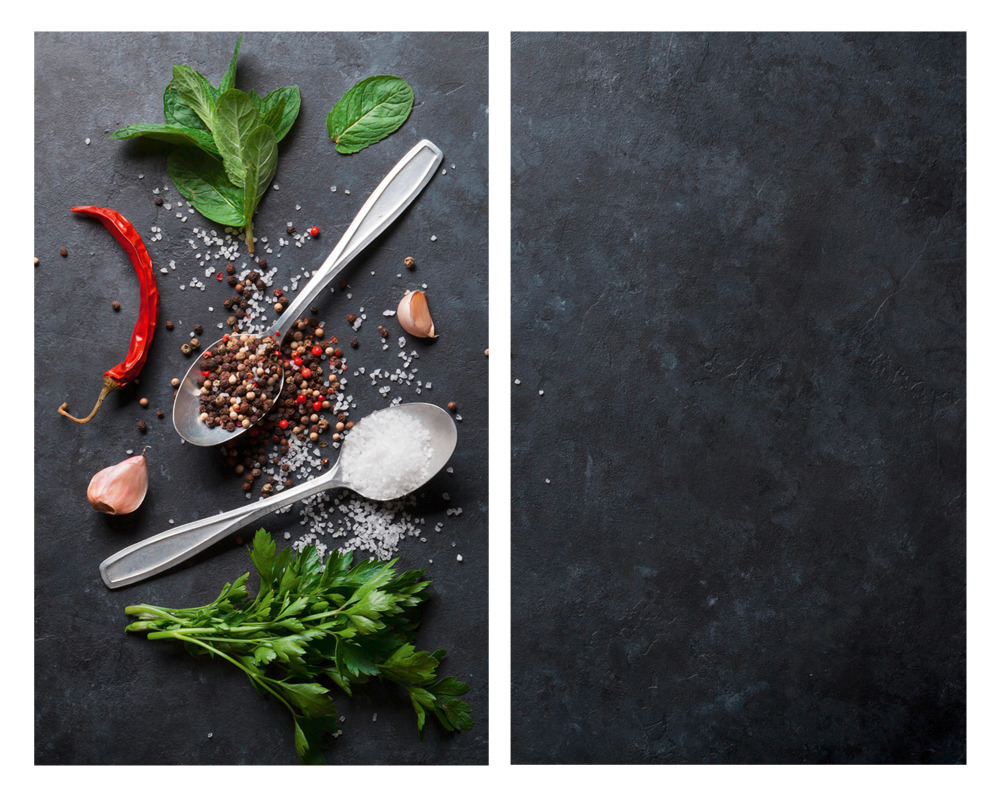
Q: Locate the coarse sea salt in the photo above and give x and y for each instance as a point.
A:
(387, 455)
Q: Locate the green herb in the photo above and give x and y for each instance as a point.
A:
(313, 624)
(370, 111)
(226, 142)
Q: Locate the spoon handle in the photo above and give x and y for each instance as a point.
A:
(165, 550)
(390, 198)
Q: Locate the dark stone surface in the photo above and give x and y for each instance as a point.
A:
(739, 278)
(106, 697)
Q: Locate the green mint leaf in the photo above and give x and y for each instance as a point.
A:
(272, 118)
(234, 118)
(229, 79)
(177, 112)
(257, 100)
(368, 112)
(290, 101)
(196, 91)
(202, 180)
(174, 134)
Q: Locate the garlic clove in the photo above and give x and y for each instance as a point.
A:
(414, 316)
(120, 488)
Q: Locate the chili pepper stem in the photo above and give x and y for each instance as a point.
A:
(109, 386)
(249, 232)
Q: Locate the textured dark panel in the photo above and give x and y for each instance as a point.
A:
(739, 278)
(105, 697)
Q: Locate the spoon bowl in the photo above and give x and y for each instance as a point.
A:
(391, 197)
(187, 409)
(165, 550)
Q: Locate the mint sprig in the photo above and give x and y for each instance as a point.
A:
(226, 142)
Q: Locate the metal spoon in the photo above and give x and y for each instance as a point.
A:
(391, 197)
(165, 550)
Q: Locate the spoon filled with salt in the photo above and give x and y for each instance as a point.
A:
(390, 453)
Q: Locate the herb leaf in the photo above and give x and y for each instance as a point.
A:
(289, 95)
(234, 118)
(368, 112)
(312, 625)
(229, 79)
(175, 134)
(196, 91)
(177, 112)
(202, 180)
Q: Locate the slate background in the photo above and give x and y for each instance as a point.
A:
(102, 696)
(739, 278)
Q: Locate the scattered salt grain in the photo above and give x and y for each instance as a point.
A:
(87, 141)
(458, 558)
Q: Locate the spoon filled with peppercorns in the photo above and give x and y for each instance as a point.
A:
(238, 379)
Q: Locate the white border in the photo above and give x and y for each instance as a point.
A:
(983, 391)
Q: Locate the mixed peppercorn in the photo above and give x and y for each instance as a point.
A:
(312, 364)
(240, 378)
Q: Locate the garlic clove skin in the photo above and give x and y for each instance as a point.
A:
(414, 315)
(120, 488)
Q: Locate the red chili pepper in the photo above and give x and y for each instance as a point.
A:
(149, 307)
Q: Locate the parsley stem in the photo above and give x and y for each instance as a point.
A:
(260, 679)
(139, 610)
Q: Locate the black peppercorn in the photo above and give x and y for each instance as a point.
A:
(63, 252)
(157, 201)
(141, 426)
(117, 306)
(354, 343)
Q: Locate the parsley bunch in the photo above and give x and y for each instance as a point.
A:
(312, 624)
